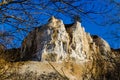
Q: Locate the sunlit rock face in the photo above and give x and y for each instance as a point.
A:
(47, 43)
(56, 41)
(70, 52)
(79, 45)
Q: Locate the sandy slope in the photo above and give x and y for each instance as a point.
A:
(71, 70)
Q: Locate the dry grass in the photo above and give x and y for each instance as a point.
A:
(30, 70)
(98, 69)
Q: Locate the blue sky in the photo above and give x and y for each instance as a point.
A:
(90, 26)
(102, 31)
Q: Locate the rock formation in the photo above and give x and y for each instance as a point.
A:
(64, 52)
(57, 41)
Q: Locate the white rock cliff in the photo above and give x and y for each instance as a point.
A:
(57, 41)
(58, 51)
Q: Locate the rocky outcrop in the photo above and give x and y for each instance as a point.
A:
(47, 43)
(65, 52)
(57, 41)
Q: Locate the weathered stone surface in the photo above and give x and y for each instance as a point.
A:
(48, 43)
(56, 41)
(79, 42)
(66, 52)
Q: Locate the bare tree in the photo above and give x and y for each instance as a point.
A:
(21, 16)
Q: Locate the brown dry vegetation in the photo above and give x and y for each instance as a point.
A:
(98, 69)
(30, 70)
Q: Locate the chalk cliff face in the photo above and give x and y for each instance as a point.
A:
(57, 41)
(65, 52)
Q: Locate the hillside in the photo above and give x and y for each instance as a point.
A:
(58, 51)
